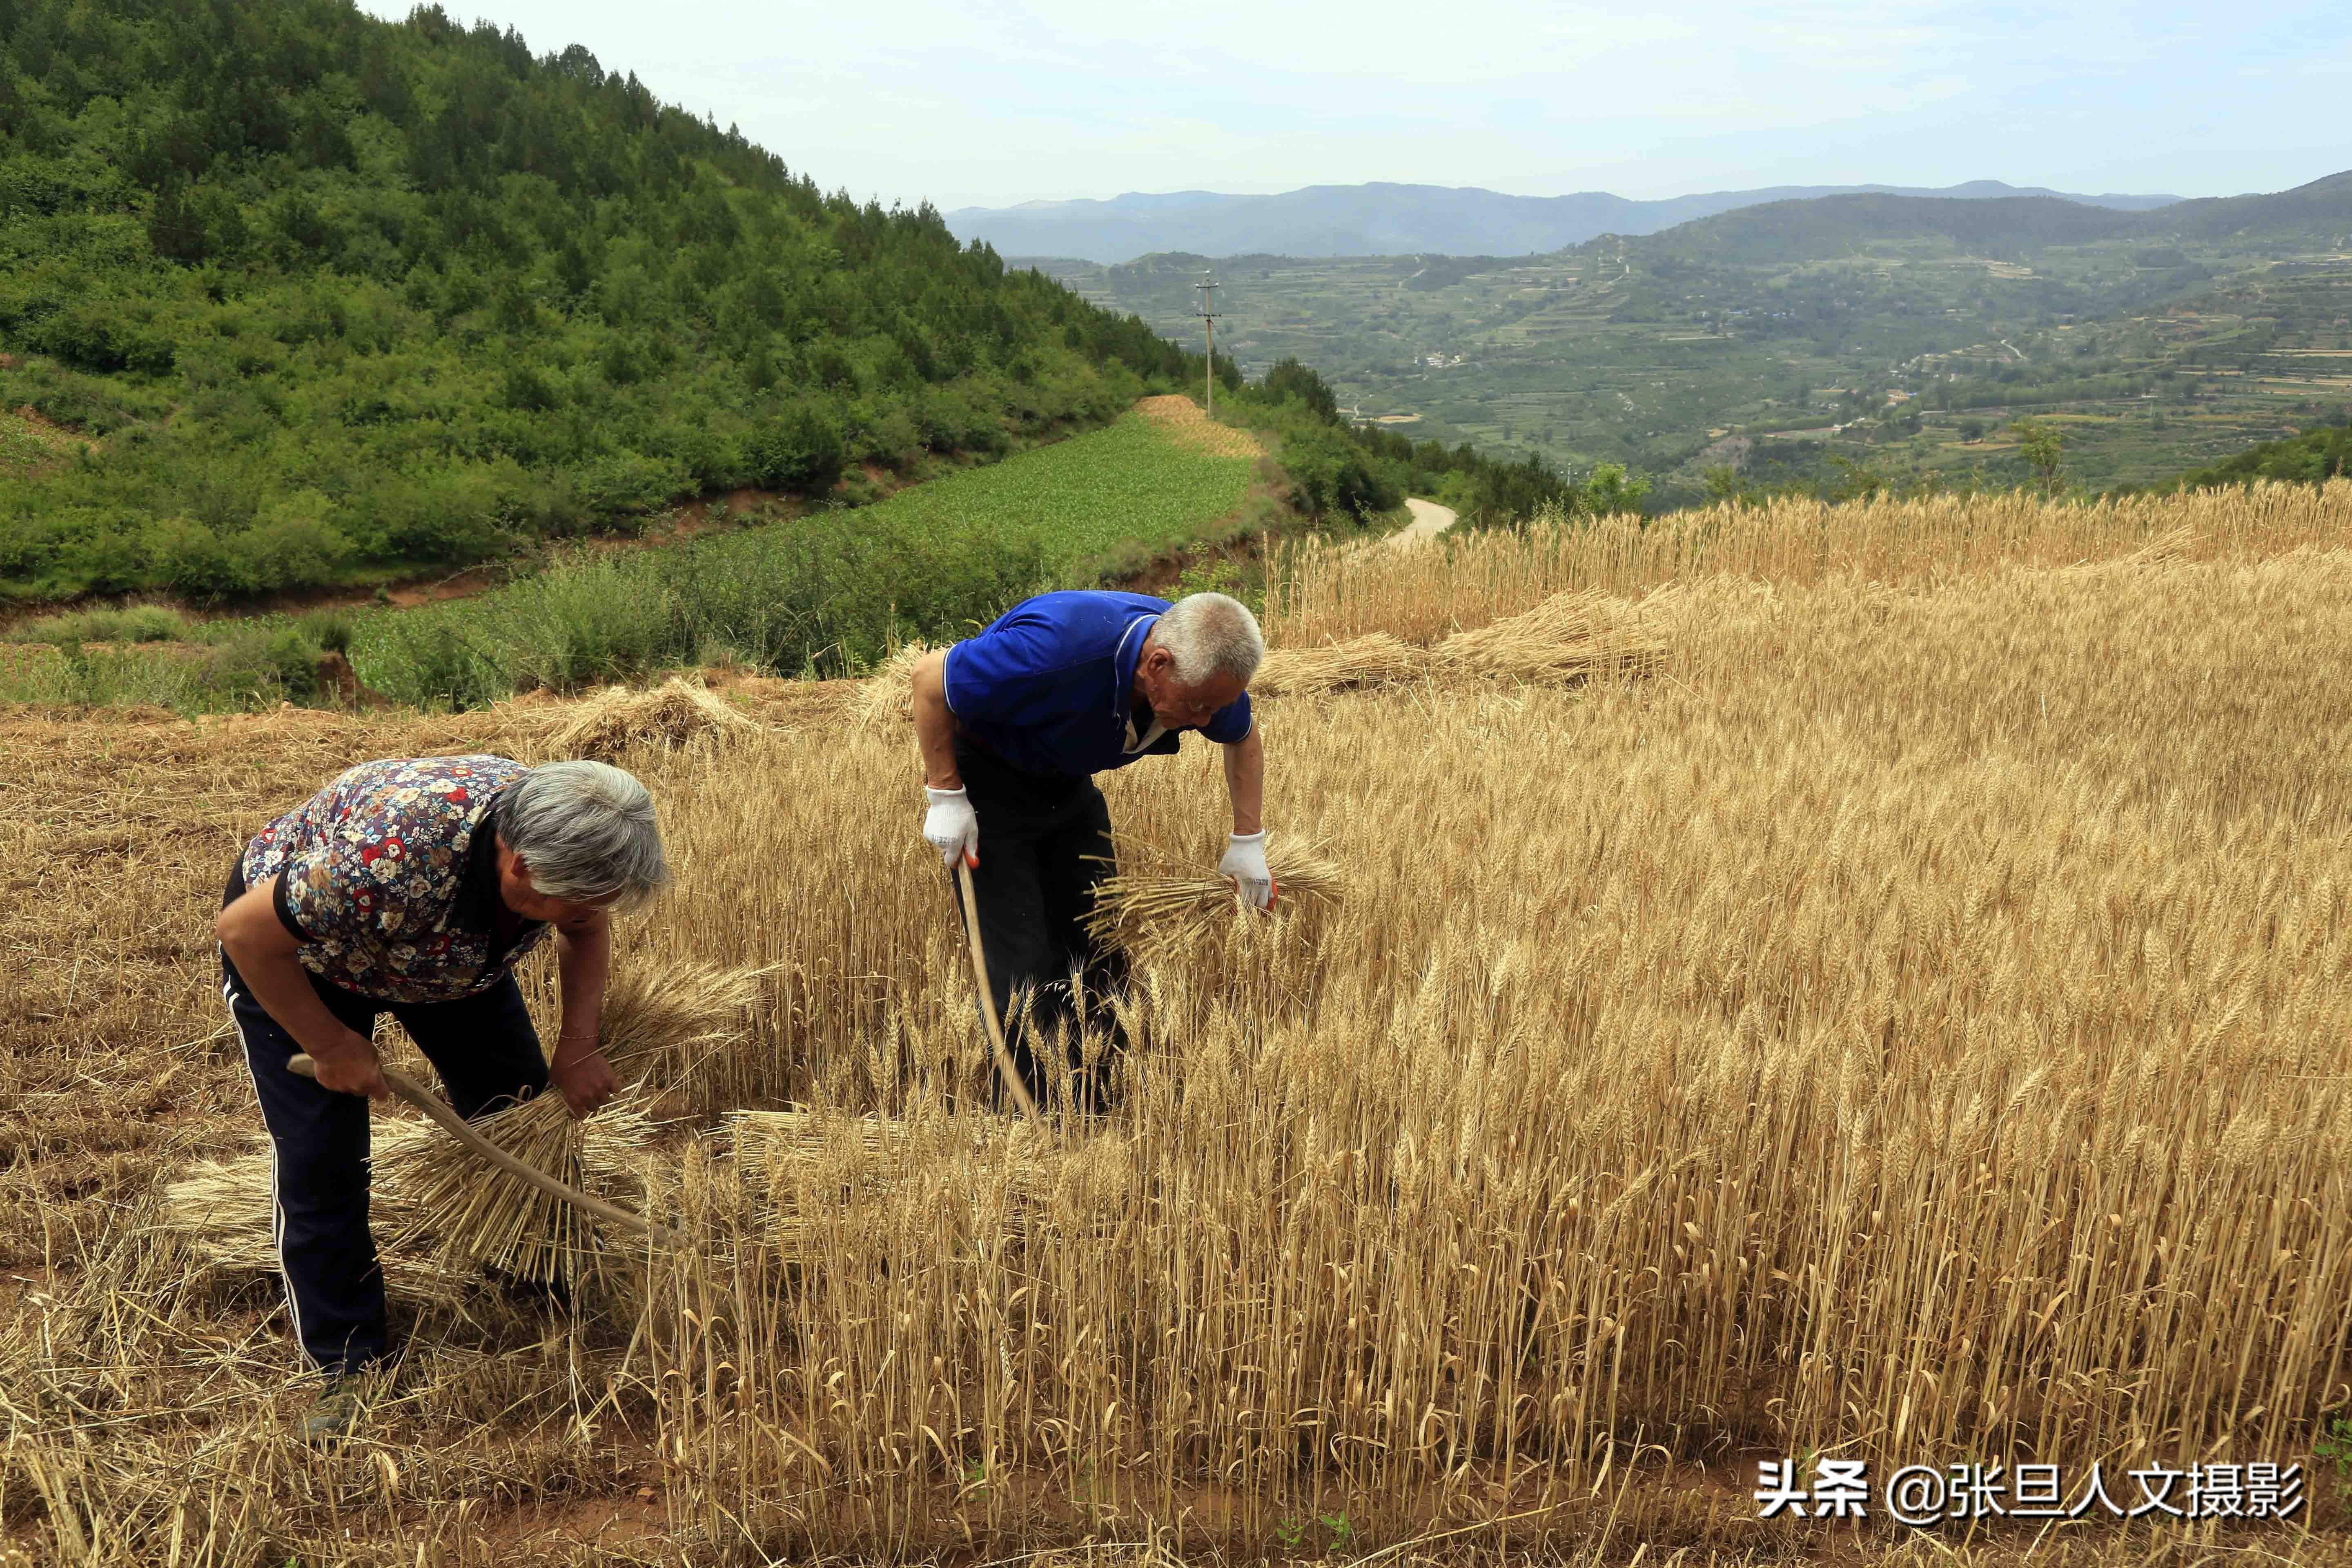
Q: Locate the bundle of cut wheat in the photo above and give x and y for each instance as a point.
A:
(664, 1026)
(671, 1025)
(889, 693)
(1568, 638)
(1360, 663)
(669, 716)
(2166, 548)
(1167, 898)
(221, 1210)
(467, 1211)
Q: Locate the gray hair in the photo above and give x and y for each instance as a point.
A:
(586, 830)
(1209, 634)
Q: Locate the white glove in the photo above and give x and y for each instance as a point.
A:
(952, 826)
(1244, 862)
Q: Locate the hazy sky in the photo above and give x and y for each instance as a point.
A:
(991, 102)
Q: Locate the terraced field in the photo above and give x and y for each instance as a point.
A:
(1628, 351)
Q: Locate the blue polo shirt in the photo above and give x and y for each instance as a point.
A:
(1047, 685)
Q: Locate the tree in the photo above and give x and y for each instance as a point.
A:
(1289, 379)
(2041, 444)
(1611, 490)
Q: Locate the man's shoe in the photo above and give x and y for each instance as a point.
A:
(337, 1411)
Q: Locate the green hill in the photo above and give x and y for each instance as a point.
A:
(2009, 228)
(1834, 225)
(295, 296)
(2310, 458)
(2321, 210)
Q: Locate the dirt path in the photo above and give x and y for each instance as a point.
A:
(1429, 521)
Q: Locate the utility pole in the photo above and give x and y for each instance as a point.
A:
(1208, 315)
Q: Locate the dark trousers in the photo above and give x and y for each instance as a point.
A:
(1044, 845)
(487, 1053)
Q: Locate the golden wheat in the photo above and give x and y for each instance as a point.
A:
(1902, 1024)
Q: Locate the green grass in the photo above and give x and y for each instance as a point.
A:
(23, 452)
(827, 594)
(1085, 498)
(824, 593)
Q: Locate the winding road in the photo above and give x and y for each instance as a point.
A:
(1429, 521)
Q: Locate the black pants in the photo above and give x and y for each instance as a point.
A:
(1044, 845)
(487, 1053)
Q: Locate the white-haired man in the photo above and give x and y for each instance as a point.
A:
(413, 887)
(1013, 725)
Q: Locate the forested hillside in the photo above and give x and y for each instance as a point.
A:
(289, 294)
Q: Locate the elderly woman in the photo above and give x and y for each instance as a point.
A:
(413, 887)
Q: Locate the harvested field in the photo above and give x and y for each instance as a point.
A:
(1892, 1013)
(1192, 426)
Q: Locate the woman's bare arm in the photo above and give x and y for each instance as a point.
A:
(263, 951)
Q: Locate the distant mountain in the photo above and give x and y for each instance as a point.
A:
(2011, 222)
(2322, 207)
(1395, 220)
(1831, 226)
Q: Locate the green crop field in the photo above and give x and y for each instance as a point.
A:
(821, 593)
(1087, 497)
(826, 592)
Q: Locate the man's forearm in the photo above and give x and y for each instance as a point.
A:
(1245, 782)
(935, 724)
(582, 959)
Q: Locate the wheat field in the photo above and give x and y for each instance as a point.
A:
(1897, 1016)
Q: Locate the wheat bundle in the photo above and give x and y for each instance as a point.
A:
(221, 1210)
(889, 692)
(670, 1025)
(2167, 549)
(1360, 663)
(465, 1210)
(1568, 638)
(663, 1024)
(667, 715)
(1159, 897)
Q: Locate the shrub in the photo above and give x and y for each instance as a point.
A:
(332, 631)
(192, 559)
(798, 448)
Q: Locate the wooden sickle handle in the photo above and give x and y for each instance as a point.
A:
(988, 998)
(425, 1100)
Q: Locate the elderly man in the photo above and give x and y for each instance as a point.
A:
(1014, 723)
(413, 887)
